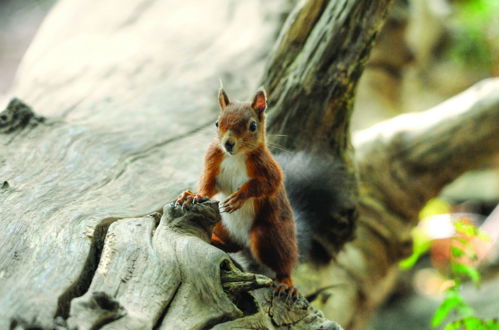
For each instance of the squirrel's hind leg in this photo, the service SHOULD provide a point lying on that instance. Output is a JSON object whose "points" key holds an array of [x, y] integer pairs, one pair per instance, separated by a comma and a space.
{"points": [[274, 245]]}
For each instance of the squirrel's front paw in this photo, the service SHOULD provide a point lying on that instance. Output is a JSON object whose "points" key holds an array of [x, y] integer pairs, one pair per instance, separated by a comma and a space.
{"points": [[233, 203], [188, 197], [185, 198]]}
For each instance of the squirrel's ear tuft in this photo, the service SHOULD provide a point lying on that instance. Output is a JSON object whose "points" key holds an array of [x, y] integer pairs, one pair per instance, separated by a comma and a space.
{"points": [[260, 101], [223, 99]]}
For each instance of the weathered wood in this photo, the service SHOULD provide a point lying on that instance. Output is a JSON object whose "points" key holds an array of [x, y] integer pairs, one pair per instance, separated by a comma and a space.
{"points": [[17, 116], [314, 68], [234, 281], [165, 275], [410, 158], [128, 90], [151, 268]]}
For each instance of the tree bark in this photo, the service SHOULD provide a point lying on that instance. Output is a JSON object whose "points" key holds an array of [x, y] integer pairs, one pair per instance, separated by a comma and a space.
{"points": [[124, 111], [314, 69]]}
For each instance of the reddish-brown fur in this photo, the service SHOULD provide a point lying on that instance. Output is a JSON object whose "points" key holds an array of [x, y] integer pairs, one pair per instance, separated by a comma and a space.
{"points": [[221, 239], [212, 161], [272, 237]]}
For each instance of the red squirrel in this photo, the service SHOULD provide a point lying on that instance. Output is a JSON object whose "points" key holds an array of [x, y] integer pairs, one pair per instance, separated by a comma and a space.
{"points": [[256, 213], [257, 216]]}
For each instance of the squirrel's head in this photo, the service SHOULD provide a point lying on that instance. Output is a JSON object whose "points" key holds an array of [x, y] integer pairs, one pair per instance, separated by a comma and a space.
{"points": [[241, 126]]}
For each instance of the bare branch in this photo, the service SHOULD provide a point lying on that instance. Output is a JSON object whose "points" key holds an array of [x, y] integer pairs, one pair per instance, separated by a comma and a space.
{"points": [[407, 160]]}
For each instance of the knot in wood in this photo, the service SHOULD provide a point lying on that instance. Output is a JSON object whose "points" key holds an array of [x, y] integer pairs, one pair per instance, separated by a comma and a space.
{"points": [[17, 116]]}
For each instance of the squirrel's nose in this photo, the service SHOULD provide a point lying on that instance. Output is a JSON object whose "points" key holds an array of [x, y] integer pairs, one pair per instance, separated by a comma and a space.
{"points": [[229, 146]]}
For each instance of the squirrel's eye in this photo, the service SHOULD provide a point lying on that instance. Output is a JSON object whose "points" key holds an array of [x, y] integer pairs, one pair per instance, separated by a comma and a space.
{"points": [[252, 126], [216, 123]]}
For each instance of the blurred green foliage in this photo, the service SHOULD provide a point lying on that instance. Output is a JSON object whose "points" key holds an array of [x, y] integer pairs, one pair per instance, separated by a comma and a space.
{"points": [[421, 241], [475, 38], [461, 269], [462, 252]]}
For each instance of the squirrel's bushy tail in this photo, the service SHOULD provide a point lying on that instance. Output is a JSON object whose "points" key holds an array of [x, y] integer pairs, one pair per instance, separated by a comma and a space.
{"points": [[320, 193]]}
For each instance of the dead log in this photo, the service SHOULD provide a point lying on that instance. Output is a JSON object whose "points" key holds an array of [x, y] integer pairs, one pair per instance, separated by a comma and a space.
{"points": [[129, 108]]}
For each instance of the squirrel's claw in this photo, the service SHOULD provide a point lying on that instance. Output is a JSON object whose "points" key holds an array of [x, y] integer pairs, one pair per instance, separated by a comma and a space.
{"points": [[199, 199], [185, 198], [187, 202], [285, 291], [233, 203]]}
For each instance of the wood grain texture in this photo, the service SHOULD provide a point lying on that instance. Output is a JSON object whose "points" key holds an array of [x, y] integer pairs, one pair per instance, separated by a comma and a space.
{"points": [[129, 93], [149, 267]]}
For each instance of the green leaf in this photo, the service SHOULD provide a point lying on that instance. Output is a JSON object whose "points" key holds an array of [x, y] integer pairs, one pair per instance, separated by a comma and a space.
{"points": [[440, 314], [465, 228], [464, 241], [473, 323], [492, 324], [461, 269], [421, 244], [418, 251], [451, 301], [456, 325], [457, 252], [468, 323], [410, 261]]}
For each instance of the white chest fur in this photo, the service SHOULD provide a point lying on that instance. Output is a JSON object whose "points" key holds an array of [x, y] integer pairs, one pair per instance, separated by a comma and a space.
{"points": [[233, 174]]}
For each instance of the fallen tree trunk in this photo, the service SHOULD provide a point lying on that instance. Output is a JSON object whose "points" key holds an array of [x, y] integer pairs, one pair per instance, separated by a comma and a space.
{"points": [[129, 111], [172, 278], [122, 136]]}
